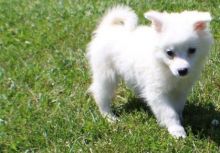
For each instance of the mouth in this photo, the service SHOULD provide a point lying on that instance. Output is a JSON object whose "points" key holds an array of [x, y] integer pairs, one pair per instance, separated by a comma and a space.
{"points": [[182, 76]]}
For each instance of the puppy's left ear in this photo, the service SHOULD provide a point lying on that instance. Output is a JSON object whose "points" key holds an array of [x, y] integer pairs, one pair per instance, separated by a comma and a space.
{"points": [[203, 22], [156, 19]]}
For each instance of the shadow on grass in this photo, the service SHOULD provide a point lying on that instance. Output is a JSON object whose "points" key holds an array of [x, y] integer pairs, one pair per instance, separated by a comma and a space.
{"points": [[133, 105], [197, 117], [200, 118]]}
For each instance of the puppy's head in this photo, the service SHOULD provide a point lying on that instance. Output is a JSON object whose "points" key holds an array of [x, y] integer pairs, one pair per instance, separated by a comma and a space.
{"points": [[183, 39]]}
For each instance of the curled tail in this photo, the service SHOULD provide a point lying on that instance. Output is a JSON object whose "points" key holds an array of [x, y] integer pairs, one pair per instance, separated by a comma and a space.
{"points": [[119, 16]]}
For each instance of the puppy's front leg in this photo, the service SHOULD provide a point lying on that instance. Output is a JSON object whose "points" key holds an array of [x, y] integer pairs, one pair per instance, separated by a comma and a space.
{"points": [[167, 116], [179, 106]]}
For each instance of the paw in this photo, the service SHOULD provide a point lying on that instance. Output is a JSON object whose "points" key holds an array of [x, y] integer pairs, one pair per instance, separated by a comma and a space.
{"points": [[177, 131], [110, 117]]}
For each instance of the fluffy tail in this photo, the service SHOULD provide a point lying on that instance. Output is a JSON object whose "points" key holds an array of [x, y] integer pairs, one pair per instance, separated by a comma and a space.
{"points": [[119, 16]]}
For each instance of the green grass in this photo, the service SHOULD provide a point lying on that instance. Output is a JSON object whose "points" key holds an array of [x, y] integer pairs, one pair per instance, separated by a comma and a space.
{"points": [[44, 76]]}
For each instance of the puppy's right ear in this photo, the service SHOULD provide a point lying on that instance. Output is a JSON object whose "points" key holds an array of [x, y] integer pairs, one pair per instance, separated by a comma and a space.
{"points": [[204, 18], [155, 18]]}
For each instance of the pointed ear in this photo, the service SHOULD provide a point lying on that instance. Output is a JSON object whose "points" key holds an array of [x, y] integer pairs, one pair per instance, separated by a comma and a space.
{"points": [[202, 23], [155, 18]]}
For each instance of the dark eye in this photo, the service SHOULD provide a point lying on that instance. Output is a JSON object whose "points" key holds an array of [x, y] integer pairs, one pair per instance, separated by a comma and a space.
{"points": [[170, 52], [191, 50]]}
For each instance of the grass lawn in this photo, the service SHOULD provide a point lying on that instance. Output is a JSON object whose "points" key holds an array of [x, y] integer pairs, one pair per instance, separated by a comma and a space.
{"points": [[44, 76]]}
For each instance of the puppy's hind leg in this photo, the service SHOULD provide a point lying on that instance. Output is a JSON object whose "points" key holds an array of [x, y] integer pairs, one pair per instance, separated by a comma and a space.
{"points": [[102, 88]]}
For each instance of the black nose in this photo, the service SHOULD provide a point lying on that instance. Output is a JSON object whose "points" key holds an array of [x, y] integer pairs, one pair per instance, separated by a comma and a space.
{"points": [[183, 72]]}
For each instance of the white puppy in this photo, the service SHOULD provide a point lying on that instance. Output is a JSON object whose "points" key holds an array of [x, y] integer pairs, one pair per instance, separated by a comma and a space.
{"points": [[160, 62]]}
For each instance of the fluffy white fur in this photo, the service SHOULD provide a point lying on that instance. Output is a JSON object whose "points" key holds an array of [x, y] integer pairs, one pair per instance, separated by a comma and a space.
{"points": [[138, 54]]}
